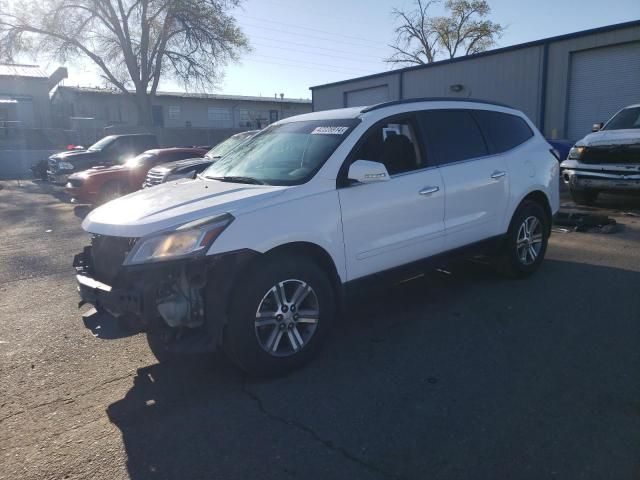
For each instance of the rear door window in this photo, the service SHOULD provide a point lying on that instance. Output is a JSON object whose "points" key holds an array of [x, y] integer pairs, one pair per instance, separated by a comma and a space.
{"points": [[452, 135], [503, 131]]}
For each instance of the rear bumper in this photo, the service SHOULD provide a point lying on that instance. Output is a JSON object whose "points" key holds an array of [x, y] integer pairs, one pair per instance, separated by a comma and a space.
{"points": [[594, 180]]}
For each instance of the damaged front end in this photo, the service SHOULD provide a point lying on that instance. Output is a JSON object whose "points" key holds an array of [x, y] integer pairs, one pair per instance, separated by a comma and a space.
{"points": [[183, 299]]}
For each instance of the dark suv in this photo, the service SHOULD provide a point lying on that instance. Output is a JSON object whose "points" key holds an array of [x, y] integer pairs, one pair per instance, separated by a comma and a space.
{"points": [[110, 150]]}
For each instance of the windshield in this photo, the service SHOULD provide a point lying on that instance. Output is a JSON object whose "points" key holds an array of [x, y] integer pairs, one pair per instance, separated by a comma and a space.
{"points": [[287, 154], [139, 160], [101, 144], [624, 119], [225, 147]]}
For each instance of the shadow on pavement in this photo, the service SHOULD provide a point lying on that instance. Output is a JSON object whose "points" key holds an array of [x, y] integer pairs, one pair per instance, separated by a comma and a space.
{"points": [[459, 374], [104, 326], [82, 211]]}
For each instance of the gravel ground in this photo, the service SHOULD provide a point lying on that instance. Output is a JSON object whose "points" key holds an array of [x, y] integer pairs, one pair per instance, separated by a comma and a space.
{"points": [[458, 374]]}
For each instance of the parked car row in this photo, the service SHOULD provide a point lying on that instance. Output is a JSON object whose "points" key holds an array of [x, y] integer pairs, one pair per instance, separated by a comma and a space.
{"points": [[120, 164]]}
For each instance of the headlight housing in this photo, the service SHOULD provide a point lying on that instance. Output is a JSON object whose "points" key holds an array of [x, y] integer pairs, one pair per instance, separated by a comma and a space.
{"points": [[192, 239], [65, 166], [575, 153]]}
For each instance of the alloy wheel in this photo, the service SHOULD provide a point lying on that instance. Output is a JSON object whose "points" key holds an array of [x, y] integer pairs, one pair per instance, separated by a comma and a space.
{"points": [[287, 318], [529, 240]]}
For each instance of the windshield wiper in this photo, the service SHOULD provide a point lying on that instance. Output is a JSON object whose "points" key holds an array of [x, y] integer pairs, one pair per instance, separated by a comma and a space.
{"points": [[235, 179]]}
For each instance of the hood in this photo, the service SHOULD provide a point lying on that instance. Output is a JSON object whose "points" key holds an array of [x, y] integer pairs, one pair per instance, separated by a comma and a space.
{"points": [[72, 155], [172, 204], [189, 162], [611, 137]]}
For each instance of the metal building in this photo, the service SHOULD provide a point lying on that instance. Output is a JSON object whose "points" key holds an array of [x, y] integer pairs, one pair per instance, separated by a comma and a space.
{"points": [[564, 84]]}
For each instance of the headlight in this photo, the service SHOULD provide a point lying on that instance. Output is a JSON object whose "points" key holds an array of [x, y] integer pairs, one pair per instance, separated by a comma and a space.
{"points": [[189, 240], [65, 166], [575, 153]]}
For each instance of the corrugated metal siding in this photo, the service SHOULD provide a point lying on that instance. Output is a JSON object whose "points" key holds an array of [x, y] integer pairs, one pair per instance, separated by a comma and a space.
{"points": [[333, 96], [602, 81], [558, 72], [367, 96], [511, 77]]}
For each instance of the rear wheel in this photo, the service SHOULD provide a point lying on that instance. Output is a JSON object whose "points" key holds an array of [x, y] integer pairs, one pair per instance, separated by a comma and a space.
{"points": [[280, 315], [526, 242], [584, 197]]}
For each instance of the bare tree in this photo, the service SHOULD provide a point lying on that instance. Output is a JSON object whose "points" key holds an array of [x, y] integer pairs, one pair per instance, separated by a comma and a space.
{"points": [[134, 43], [420, 37]]}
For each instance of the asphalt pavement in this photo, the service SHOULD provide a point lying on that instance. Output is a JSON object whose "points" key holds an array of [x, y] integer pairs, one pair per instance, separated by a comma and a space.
{"points": [[459, 374]]}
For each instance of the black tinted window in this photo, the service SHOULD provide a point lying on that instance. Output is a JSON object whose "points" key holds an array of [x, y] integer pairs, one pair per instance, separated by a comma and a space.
{"points": [[503, 131], [452, 135], [393, 143]]}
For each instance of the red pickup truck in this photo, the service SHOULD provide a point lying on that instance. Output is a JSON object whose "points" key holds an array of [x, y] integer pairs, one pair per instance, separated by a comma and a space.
{"points": [[101, 184]]}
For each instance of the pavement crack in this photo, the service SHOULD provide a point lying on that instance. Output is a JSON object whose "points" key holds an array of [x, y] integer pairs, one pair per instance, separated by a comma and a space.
{"points": [[301, 426], [20, 412]]}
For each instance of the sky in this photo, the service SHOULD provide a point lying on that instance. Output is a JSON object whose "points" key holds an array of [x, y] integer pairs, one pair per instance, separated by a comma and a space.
{"points": [[301, 43]]}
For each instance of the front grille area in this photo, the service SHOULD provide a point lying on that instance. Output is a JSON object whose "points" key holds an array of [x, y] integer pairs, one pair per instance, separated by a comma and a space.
{"points": [[154, 177], [612, 154], [108, 254]]}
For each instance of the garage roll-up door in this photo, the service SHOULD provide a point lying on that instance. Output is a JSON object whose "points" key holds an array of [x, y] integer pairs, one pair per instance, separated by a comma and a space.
{"points": [[602, 81], [367, 96]]}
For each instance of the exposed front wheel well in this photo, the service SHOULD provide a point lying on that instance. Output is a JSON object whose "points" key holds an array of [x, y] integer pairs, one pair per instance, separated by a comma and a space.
{"points": [[541, 199], [317, 254]]}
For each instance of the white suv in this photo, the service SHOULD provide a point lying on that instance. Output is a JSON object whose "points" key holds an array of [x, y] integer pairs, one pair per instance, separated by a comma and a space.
{"points": [[254, 255]]}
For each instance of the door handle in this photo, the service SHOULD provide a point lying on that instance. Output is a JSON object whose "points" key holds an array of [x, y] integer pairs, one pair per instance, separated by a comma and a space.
{"points": [[498, 174], [429, 190]]}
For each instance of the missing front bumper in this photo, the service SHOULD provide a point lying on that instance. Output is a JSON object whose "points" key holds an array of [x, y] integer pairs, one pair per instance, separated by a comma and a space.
{"points": [[137, 291]]}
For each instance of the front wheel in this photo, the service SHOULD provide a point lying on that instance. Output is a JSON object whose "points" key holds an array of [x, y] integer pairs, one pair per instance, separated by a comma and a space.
{"points": [[526, 242], [280, 314]]}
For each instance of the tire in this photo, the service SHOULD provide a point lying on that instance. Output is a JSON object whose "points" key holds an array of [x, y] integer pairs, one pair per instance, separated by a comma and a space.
{"points": [[584, 197], [516, 259], [284, 340], [111, 191]]}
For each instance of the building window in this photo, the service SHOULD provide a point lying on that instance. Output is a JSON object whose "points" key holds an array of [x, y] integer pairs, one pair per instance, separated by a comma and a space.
{"points": [[174, 113], [244, 117], [219, 116]]}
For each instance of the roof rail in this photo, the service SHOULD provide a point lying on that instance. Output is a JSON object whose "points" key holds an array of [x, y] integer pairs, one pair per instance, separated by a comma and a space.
{"points": [[431, 99]]}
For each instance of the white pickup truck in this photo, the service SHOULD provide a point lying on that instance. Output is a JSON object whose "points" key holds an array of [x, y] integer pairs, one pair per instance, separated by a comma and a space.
{"points": [[607, 160]]}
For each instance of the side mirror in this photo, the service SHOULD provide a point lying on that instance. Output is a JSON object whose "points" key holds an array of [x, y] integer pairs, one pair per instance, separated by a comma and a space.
{"points": [[365, 171], [597, 127]]}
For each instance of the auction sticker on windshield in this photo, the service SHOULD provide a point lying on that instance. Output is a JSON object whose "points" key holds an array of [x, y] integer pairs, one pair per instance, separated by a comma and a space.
{"points": [[329, 130]]}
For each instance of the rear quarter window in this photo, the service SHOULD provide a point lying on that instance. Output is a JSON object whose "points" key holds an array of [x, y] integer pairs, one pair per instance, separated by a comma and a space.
{"points": [[503, 131]]}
